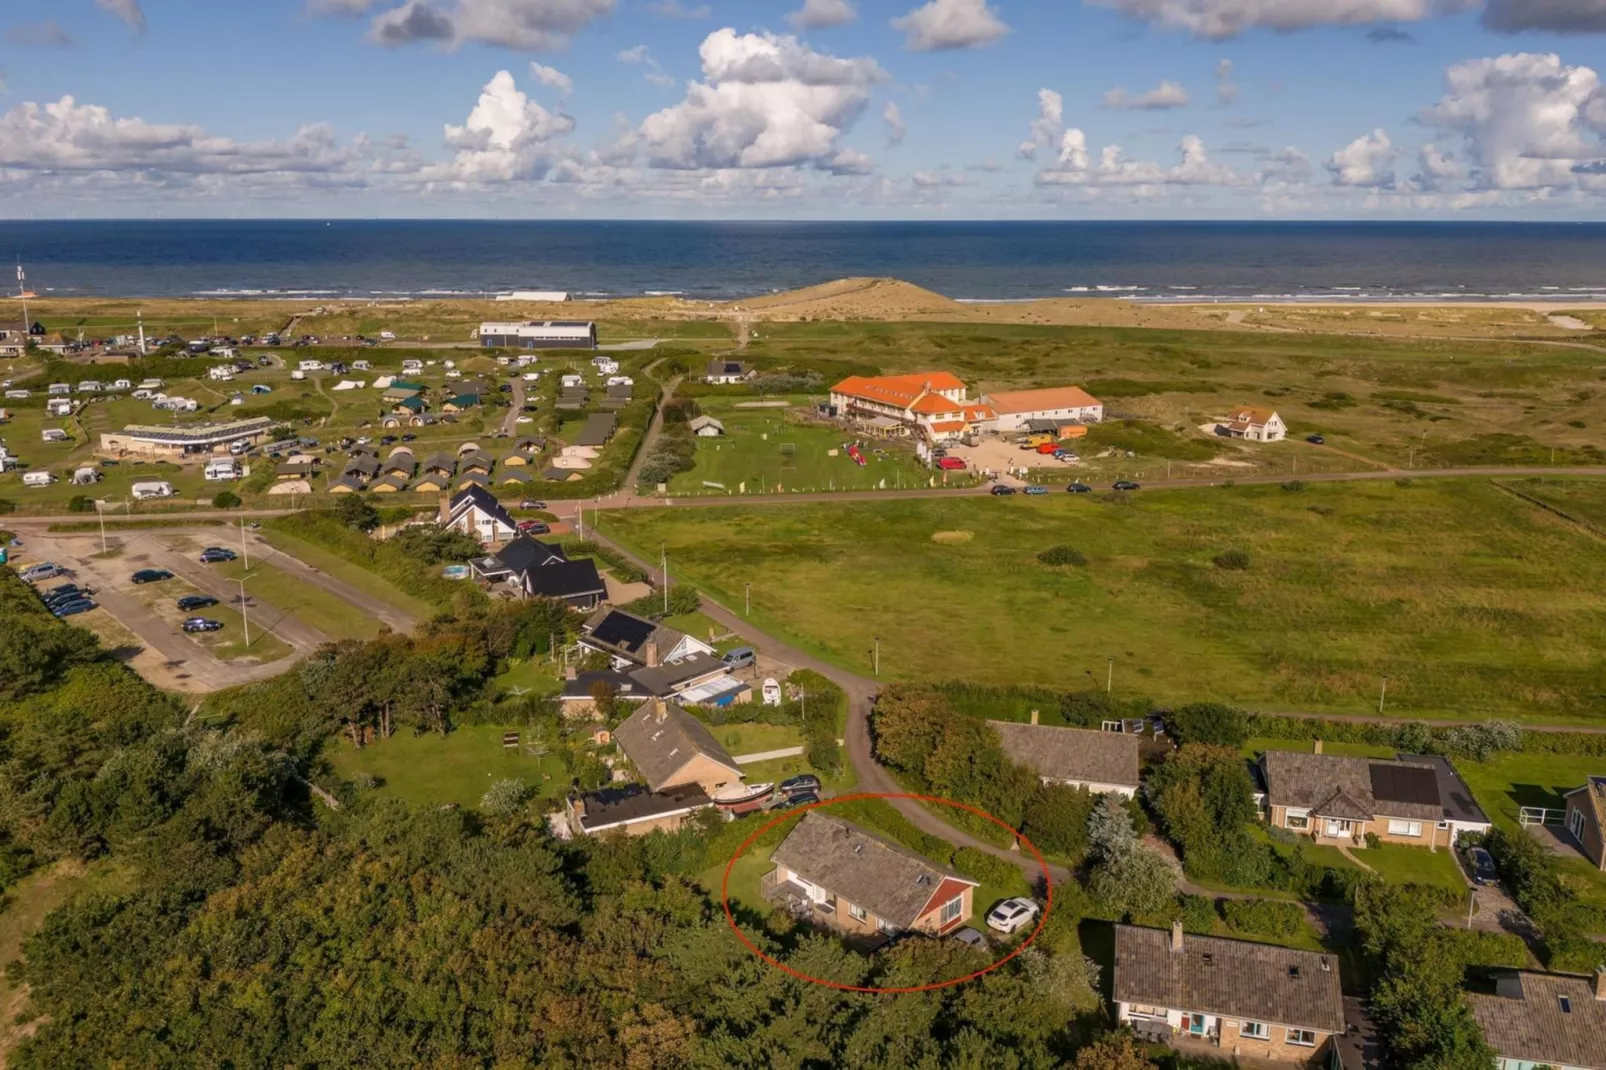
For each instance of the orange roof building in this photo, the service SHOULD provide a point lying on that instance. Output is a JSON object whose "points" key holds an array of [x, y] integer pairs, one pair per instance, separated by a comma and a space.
{"points": [[930, 403], [1256, 425]]}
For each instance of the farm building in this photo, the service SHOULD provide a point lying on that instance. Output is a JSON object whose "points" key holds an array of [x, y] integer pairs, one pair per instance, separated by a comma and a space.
{"points": [[536, 334], [1064, 406], [180, 441]]}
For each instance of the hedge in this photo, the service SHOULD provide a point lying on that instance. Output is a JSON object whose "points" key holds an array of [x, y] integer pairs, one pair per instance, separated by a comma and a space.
{"points": [[1264, 917]]}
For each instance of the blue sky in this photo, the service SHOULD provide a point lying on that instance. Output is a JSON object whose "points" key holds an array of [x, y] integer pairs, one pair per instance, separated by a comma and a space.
{"points": [[840, 109]]}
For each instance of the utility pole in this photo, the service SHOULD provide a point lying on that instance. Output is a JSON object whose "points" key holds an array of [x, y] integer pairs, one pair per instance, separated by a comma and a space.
{"points": [[663, 572], [245, 556], [878, 655], [245, 617], [1109, 675], [1382, 694], [747, 609], [100, 513]]}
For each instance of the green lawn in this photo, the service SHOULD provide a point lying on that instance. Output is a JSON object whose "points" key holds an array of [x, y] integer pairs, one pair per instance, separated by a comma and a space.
{"points": [[1399, 863], [369, 583], [1508, 782], [755, 738], [431, 770], [527, 675], [772, 449], [227, 645], [308, 603], [1464, 596], [1259, 744]]}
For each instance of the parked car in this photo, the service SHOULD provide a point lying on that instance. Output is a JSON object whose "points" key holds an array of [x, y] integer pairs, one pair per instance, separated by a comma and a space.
{"points": [[951, 464], [531, 503], [1010, 915], [798, 784], [807, 798], [191, 602], [534, 527], [202, 624], [1316, 440], [741, 657], [1079, 488], [1034, 489], [999, 488], [72, 609], [65, 593], [969, 937], [1124, 484], [151, 575], [213, 555], [45, 570], [408, 438], [1481, 863]]}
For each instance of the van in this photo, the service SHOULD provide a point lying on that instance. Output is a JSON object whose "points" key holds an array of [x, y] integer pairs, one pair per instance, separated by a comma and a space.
{"points": [[740, 657], [154, 489]]}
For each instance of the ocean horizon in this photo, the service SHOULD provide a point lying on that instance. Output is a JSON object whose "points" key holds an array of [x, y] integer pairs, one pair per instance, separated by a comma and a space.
{"points": [[384, 259]]}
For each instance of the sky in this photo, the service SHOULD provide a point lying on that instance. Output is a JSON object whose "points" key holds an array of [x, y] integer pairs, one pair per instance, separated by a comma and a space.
{"points": [[804, 109]]}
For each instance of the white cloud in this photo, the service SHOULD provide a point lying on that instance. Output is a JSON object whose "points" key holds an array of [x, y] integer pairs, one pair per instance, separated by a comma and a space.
{"points": [[47, 34], [533, 25], [1217, 19], [894, 120], [507, 137], [1527, 119], [822, 14], [1162, 97], [636, 54], [1440, 170], [1226, 88], [1076, 168], [341, 7], [766, 101], [943, 24], [66, 137], [1047, 126], [850, 162], [674, 9], [127, 10], [1553, 16], [553, 77], [1288, 166], [936, 180], [1367, 161]]}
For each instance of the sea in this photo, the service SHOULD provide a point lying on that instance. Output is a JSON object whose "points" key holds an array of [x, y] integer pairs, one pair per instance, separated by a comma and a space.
{"points": [[969, 261]]}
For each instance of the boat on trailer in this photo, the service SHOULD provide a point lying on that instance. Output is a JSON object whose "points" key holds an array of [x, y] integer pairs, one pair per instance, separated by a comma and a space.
{"points": [[742, 798]]}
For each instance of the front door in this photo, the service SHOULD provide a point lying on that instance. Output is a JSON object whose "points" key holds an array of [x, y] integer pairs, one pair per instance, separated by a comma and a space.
{"points": [[1196, 1024], [1337, 828], [1575, 824]]}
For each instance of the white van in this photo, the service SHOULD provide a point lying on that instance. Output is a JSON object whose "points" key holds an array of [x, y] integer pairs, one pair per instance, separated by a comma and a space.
{"points": [[37, 479], [153, 489], [311, 366]]}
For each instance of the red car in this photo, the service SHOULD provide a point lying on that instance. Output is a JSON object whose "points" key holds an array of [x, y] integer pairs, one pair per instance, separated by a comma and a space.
{"points": [[951, 464], [533, 527]]}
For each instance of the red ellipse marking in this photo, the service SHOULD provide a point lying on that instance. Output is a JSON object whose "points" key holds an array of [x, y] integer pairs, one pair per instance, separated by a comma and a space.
{"points": [[730, 917]]}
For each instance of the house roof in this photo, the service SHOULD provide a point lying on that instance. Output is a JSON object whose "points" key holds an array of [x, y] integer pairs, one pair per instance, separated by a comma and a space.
{"points": [[1459, 805], [477, 497], [412, 404], [393, 480], [660, 738], [705, 421], [363, 465], [614, 806], [718, 366], [346, 482], [1527, 1021], [1250, 415], [899, 390], [565, 579], [597, 430], [945, 427], [1595, 795], [1071, 753], [476, 459], [1354, 789], [579, 689], [664, 678], [885, 878], [440, 461], [526, 553], [462, 401], [1053, 397], [628, 635], [1232, 978]]}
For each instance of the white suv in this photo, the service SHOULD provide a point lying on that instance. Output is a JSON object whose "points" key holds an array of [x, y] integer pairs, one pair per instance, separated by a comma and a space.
{"points": [[1012, 914]]}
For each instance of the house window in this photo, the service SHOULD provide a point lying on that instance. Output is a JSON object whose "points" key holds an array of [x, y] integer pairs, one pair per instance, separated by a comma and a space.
{"points": [[952, 909], [1305, 1038], [856, 912], [1405, 828], [1297, 821], [885, 926], [1255, 1031]]}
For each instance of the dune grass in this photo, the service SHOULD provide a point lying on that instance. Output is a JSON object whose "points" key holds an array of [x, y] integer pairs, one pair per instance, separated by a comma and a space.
{"points": [[1465, 597]]}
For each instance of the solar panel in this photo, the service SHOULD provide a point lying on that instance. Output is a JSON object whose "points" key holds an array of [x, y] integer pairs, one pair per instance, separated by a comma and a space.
{"points": [[1404, 783]]}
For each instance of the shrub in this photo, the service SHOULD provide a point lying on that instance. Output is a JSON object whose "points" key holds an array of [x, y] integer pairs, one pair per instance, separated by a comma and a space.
{"points": [[1479, 741], [1198, 914], [81, 503], [505, 796], [1232, 560], [7, 505], [1062, 555], [1264, 917], [1294, 485], [226, 499], [1208, 722]]}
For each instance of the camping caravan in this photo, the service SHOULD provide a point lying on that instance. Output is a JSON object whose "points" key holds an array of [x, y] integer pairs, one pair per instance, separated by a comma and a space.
{"points": [[221, 468], [37, 479], [152, 489], [85, 476]]}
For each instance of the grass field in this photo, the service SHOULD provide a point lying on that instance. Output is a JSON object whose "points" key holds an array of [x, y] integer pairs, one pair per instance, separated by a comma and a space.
{"points": [[773, 449], [308, 603], [432, 770], [1466, 598], [366, 581], [1399, 863]]}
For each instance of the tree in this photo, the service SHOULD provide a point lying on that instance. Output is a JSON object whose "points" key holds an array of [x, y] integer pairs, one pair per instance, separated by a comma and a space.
{"points": [[1209, 722], [1113, 1051], [355, 511], [226, 499], [1109, 829], [1205, 801], [433, 544], [506, 796], [1136, 882], [1056, 819], [1070, 979], [605, 697]]}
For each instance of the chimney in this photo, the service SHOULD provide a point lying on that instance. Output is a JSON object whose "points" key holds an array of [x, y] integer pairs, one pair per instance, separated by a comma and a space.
{"points": [[446, 508], [1034, 717], [652, 655], [659, 710], [1316, 747], [1176, 935], [1600, 983]]}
